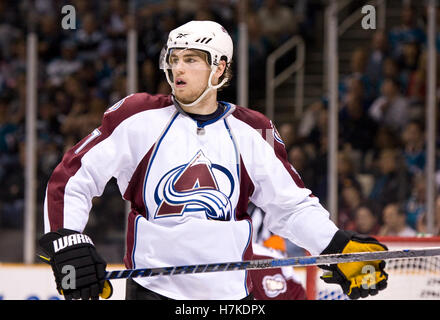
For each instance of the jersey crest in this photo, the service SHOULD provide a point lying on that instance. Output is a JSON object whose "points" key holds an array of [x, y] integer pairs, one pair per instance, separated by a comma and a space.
{"points": [[195, 187], [274, 285]]}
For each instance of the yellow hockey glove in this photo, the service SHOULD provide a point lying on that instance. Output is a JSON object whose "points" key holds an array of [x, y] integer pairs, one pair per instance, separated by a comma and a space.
{"points": [[357, 279]]}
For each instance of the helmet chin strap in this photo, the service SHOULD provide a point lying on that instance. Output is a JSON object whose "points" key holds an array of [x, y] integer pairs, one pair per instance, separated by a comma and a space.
{"points": [[204, 93]]}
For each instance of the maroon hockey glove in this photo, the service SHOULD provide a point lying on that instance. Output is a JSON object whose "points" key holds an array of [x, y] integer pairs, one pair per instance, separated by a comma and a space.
{"points": [[78, 269]]}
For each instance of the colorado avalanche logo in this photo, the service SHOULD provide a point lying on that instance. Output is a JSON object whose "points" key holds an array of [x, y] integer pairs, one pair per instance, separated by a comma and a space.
{"points": [[194, 187]]}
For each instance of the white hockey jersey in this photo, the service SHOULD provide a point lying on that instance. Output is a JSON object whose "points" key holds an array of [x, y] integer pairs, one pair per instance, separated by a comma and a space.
{"points": [[189, 186]]}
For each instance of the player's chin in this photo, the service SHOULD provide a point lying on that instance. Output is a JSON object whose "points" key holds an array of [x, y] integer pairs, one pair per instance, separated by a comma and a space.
{"points": [[184, 98]]}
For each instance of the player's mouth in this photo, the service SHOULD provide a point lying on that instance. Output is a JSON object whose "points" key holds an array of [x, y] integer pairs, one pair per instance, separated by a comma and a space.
{"points": [[179, 83]]}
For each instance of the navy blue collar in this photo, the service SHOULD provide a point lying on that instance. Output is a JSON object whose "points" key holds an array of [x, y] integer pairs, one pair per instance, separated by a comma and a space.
{"points": [[205, 119], [202, 118]]}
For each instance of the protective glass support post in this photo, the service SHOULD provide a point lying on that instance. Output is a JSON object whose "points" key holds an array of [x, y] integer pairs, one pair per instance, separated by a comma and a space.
{"points": [[243, 56], [332, 85], [431, 115], [132, 68], [29, 233]]}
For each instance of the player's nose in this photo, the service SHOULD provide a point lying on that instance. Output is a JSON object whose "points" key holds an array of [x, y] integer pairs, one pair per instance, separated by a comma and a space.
{"points": [[179, 67]]}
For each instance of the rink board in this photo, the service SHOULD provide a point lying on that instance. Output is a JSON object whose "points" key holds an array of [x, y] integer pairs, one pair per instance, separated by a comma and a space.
{"points": [[22, 282]]}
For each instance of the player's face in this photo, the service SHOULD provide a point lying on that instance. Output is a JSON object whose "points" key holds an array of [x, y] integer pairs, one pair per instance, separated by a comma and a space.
{"points": [[190, 73]]}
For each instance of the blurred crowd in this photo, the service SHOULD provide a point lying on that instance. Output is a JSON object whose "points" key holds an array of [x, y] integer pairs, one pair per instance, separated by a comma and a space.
{"points": [[81, 72], [382, 148]]}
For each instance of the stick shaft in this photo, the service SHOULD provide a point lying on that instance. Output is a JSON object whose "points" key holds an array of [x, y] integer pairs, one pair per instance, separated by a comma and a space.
{"points": [[275, 263]]}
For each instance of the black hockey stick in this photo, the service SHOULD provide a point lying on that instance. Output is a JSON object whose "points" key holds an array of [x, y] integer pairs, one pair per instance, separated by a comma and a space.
{"points": [[275, 263]]}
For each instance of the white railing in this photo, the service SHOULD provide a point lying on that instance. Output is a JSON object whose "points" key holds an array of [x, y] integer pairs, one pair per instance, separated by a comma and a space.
{"points": [[273, 81]]}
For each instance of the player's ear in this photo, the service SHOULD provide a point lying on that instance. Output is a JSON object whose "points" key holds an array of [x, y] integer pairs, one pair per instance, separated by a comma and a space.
{"points": [[221, 68]]}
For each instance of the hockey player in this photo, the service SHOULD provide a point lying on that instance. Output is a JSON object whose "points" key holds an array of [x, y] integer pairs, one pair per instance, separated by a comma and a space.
{"points": [[189, 164], [275, 283]]}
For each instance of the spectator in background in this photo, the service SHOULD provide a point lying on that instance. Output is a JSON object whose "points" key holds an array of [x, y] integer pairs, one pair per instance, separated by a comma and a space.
{"points": [[346, 171], [8, 129], [12, 195], [258, 51], [278, 22], [366, 220], [119, 88], [391, 108], [75, 89], [407, 31], [89, 38], [316, 146], [116, 20], [408, 63], [313, 128], [82, 8], [154, 31], [9, 137], [148, 76], [204, 11], [17, 64], [300, 161], [394, 222], [356, 87], [310, 119], [59, 68], [376, 58], [422, 226], [349, 201], [84, 118], [391, 179], [62, 100], [48, 124], [415, 206], [9, 28], [414, 154], [225, 12], [87, 76], [49, 38], [349, 188], [385, 138], [356, 127], [288, 134], [358, 64], [390, 69], [72, 123], [416, 89]]}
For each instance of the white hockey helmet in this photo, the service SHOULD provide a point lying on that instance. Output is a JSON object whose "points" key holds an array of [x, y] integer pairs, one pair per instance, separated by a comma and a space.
{"points": [[207, 36]]}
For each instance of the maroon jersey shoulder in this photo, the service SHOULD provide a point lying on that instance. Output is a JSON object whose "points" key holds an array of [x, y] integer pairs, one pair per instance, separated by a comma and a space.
{"points": [[131, 105], [253, 118]]}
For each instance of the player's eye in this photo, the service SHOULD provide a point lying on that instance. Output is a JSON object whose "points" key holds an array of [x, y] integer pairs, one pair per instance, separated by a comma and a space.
{"points": [[190, 60], [174, 60]]}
